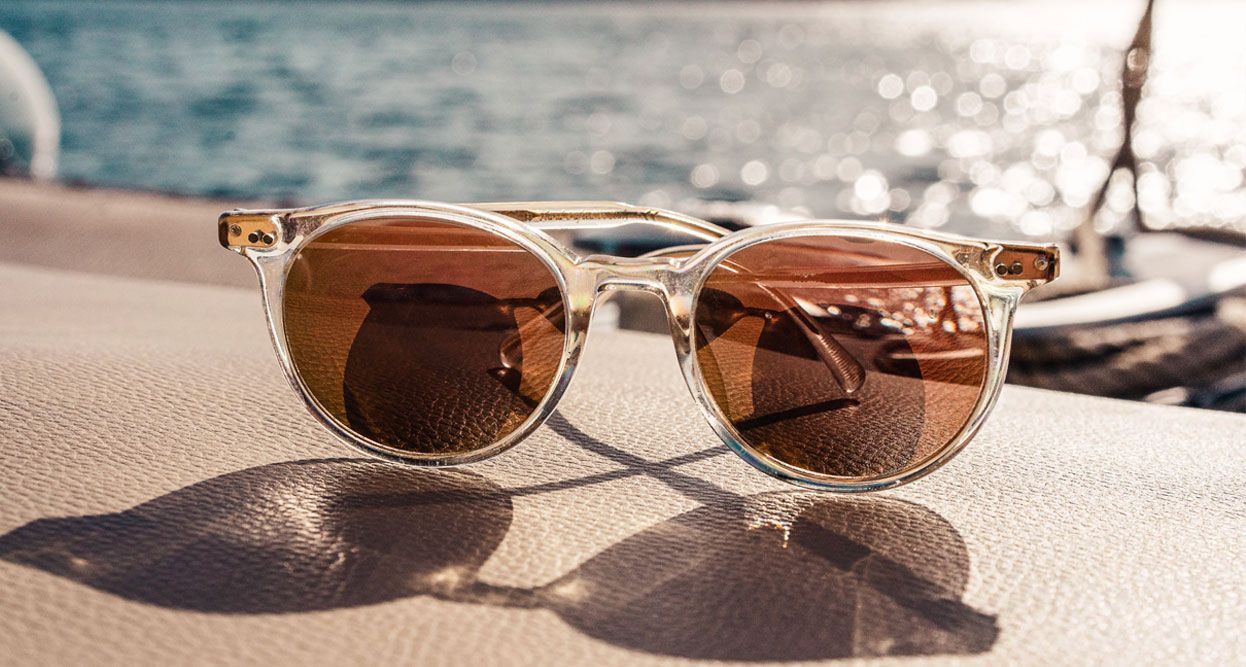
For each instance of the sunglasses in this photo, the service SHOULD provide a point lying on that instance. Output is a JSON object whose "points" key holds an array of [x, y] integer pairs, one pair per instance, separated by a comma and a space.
{"points": [[847, 356]]}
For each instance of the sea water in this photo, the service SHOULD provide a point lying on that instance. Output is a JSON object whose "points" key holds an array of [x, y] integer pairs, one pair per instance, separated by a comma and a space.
{"points": [[982, 117]]}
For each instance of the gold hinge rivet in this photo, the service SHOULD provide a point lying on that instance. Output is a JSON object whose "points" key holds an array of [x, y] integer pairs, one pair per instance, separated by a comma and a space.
{"points": [[235, 230], [1041, 263]]}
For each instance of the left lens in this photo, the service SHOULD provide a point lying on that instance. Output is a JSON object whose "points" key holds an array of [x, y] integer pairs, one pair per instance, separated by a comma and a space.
{"points": [[841, 356], [425, 336]]}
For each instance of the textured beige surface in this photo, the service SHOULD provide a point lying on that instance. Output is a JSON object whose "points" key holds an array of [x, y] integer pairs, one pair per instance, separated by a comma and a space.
{"points": [[165, 499], [138, 234]]}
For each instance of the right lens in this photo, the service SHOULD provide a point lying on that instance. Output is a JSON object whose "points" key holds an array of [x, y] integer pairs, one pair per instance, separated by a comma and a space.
{"points": [[842, 356], [425, 336]]}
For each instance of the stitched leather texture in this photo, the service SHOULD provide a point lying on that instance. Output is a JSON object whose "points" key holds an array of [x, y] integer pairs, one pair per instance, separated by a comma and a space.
{"points": [[166, 499]]}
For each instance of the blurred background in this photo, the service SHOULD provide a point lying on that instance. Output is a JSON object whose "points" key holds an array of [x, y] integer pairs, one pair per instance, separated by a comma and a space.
{"points": [[1117, 127]]}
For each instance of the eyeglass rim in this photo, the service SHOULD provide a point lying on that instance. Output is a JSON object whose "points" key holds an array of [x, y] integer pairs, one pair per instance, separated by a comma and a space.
{"points": [[988, 390]]}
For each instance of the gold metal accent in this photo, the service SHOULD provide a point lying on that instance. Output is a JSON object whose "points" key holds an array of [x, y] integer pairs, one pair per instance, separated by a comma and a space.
{"points": [[1027, 263], [248, 230]]}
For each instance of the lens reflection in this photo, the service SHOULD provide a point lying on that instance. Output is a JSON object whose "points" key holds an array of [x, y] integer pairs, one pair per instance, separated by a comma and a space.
{"points": [[425, 336], [909, 322]]}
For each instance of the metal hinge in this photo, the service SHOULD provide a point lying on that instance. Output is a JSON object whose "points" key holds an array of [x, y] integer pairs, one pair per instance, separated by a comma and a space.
{"points": [[1031, 264], [248, 230]]}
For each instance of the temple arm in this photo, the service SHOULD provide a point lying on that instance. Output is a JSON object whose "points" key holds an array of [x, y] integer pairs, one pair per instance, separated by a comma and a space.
{"points": [[848, 372], [600, 215]]}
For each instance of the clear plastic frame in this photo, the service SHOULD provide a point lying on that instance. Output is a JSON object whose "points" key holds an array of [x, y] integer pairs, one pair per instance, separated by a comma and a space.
{"points": [[999, 274]]}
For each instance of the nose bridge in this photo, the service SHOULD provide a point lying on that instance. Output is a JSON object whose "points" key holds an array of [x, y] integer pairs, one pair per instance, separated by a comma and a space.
{"points": [[659, 276], [645, 274]]}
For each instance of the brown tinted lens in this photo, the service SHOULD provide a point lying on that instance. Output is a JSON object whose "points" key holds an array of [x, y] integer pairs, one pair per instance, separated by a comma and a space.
{"points": [[784, 330], [422, 335]]}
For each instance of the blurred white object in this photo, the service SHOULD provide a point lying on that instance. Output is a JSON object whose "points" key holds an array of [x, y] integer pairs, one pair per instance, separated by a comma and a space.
{"points": [[30, 123], [1174, 275], [1118, 303]]}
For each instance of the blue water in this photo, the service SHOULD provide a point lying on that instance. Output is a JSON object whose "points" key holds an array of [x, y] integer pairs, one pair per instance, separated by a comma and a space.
{"points": [[977, 116]]}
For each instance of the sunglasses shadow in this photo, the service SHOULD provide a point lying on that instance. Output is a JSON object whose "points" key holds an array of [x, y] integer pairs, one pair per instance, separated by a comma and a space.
{"points": [[775, 576]]}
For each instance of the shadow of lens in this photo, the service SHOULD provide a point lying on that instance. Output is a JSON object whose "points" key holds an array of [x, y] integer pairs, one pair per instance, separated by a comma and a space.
{"points": [[828, 578], [287, 537], [779, 576]]}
